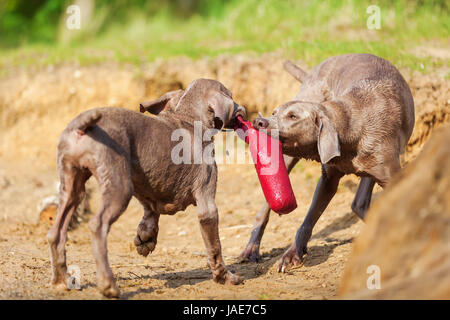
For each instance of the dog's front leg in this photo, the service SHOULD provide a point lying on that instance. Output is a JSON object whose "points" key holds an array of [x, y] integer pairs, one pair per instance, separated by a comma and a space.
{"points": [[325, 191], [209, 225], [147, 232]]}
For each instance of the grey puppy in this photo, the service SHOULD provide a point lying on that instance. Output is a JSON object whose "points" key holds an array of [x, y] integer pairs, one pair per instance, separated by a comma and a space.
{"points": [[354, 114], [129, 154]]}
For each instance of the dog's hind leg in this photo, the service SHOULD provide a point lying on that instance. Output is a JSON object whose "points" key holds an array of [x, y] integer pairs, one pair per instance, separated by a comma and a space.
{"points": [[117, 190], [70, 195], [363, 196], [389, 166]]}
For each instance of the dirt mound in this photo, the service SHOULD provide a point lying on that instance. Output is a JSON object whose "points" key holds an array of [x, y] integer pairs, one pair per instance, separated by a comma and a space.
{"points": [[432, 103], [259, 83], [35, 106], [408, 232]]}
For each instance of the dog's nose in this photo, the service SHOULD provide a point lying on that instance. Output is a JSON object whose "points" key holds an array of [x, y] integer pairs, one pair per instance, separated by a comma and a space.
{"points": [[240, 111], [260, 123]]}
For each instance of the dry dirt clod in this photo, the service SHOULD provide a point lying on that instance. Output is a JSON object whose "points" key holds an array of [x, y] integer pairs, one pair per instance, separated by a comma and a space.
{"points": [[407, 234]]}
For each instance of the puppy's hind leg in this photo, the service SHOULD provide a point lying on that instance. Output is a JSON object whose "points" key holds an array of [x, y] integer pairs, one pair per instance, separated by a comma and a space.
{"points": [[380, 173], [70, 195], [388, 167], [117, 191], [363, 196]]}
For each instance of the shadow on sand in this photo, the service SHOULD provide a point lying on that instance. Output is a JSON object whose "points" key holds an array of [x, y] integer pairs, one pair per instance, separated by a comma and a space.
{"points": [[316, 255]]}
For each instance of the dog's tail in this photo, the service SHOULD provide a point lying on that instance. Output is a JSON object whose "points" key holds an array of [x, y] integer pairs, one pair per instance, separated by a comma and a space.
{"points": [[295, 70], [84, 121]]}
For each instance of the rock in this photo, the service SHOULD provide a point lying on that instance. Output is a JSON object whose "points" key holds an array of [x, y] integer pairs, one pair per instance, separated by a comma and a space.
{"points": [[48, 208], [4, 182], [408, 232]]}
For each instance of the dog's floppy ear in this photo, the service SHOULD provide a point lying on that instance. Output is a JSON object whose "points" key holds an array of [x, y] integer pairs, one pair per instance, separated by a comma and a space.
{"points": [[328, 140], [165, 102], [222, 109], [209, 101]]}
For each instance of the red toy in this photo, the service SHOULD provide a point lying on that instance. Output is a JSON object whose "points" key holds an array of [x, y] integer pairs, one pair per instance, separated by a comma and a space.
{"points": [[268, 158]]}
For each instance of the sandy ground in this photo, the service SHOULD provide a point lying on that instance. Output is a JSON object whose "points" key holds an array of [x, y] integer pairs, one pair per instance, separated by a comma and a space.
{"points": [[177, 269], [34, 108]]}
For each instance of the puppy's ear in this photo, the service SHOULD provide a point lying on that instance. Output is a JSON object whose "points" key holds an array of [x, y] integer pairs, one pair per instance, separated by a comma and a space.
{"points": [[328, 140], [165, 102], [222, 109]]}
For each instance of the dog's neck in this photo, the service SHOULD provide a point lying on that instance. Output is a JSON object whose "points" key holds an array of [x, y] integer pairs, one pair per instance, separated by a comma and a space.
{"points": [[308, 152], [187, 120]]}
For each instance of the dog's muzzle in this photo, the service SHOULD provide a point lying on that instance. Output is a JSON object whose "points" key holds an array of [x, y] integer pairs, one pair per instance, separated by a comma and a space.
{"points": [[238, 111]]}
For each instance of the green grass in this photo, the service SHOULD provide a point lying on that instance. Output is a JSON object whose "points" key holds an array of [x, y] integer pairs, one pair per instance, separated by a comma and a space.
{"points": [[310, 30]]}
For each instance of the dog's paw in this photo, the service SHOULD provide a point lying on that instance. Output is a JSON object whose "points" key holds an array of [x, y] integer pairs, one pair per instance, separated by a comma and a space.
{"points": [[61, 281], [233, 278], [229, 278], [250, 254], [144, 247], [60, 286], [146, 239], [291, 258], [109, 289]]}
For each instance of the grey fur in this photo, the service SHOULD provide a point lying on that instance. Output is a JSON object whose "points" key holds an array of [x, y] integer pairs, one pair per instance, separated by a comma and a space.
{"points": [[354, 113], [129, 154]]}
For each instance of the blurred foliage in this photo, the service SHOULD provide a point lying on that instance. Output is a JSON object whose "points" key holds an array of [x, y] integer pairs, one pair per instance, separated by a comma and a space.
{"points": [[142, 30], [24, 21]]}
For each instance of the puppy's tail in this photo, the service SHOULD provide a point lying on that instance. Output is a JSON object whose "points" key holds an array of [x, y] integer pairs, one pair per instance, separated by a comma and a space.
{"points": [[84, 121], [295, 70]]}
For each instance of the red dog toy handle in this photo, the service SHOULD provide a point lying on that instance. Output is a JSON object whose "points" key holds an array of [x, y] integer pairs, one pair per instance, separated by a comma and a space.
{"points": [[268, 158]]}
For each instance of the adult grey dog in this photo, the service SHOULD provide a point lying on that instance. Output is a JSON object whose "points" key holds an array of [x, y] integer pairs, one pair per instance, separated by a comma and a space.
{"points": [[129, 153], [354, 114]]}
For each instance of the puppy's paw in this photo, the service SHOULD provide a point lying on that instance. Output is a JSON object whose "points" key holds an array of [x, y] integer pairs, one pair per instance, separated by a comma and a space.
{"points": [[61, 282], [291, 258], [250, 254], [109, 290], [233, 278], [146, 239], [60, 286], [229, 278], [144, 247]]}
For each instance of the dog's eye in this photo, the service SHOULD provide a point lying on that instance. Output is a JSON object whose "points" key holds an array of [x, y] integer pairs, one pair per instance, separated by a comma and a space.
{"points": [[292, 116]]}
